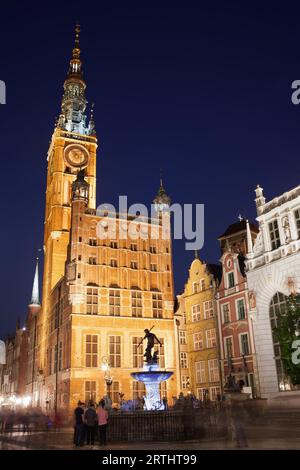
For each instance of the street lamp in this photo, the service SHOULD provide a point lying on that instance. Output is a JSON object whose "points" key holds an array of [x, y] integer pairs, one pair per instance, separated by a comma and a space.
{"points": [[107, 377]]}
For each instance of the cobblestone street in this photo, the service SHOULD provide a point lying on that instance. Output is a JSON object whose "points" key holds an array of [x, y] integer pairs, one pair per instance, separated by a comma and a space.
{"points": [[268, 438]]}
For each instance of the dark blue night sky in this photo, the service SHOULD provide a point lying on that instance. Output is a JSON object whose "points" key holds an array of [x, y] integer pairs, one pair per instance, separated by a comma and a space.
{"points": [[203, 92]]}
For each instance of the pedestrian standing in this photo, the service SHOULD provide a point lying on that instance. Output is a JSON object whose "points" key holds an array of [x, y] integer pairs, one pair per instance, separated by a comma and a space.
{"points": [[78, 426], [102, 422], [90, 418]]}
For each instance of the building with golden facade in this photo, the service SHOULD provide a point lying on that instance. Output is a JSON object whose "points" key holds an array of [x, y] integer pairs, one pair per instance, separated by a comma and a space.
{"points": [[200, 343], [99, 292]]}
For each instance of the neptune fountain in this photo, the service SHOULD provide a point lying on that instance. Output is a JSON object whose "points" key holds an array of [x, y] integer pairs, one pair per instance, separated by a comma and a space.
{"points": [[151, 375]]}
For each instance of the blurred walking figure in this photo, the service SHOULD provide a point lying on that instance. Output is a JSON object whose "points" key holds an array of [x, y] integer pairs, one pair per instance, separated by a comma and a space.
{"points": [[78, 428], [90, 418], [102, 422], [238, 416]]}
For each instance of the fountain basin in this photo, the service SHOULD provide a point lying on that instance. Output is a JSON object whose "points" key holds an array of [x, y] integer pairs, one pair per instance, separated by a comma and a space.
{"points": [[151, 376]]}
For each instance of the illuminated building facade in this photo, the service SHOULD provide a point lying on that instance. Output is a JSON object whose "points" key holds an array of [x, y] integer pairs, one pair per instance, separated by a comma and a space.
{"points": [[99, 293]]}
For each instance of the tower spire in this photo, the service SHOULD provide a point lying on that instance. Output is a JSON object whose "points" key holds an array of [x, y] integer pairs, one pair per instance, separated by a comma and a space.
{"points": [[35, 297], [73, 105], [162, 201]]}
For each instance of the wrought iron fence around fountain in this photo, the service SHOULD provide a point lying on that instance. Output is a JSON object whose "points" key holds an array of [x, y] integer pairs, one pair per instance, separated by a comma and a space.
{"points": [[165, 425]]}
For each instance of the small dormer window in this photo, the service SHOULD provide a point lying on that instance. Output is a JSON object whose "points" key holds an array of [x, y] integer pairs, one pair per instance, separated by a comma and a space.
{"points": [[230, 280]]}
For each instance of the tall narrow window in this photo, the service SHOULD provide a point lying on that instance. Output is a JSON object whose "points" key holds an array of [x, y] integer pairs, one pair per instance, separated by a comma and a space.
{"points": [[213, 370], [137, 352], [297, 220], [200, 372], [113, 263], [228, 346], [196, 314], [157, 305], [136, 304], [114, 302], [183, 360], [208, 309], [90, 391], [226, 313], [274, 234], [211, 341], [114, 245], [115, 351], [133, 247], [92, 260], [230, 280], [153, 267], [92, 301], [182, 337], [202, 284], [152, 249], [244, 344], [91, 351], [196, 287], [93, 242], [240, 309], [198, 341]]}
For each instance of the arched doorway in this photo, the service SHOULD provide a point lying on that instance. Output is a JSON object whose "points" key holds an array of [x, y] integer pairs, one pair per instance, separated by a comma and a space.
{"points": [[278, 306]]}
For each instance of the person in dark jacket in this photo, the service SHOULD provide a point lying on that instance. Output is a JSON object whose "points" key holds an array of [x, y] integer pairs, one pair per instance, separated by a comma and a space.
{"points": [[90, 418], [78, 426]]}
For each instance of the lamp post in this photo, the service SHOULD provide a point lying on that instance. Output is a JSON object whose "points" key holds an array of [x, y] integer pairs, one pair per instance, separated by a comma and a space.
{"points": [[107, 377]]}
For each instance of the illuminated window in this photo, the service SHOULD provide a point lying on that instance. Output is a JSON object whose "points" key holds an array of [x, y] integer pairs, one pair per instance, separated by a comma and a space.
{"points": [[137, 352], [297, 219], [196, 314], [182, 337], [214, 393], [198, 341], [91, 351], [200, 372], [114, 302], [211, 338], [213, 370], [157, 305], [208, 309], [92, 301], [90, 391], [185, 380], [115, 351], [136, 304], [274, 234], [183, 360]]}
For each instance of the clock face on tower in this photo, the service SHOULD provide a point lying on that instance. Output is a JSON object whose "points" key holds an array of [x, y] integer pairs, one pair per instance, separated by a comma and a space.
{"points": [[76, 156]]}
